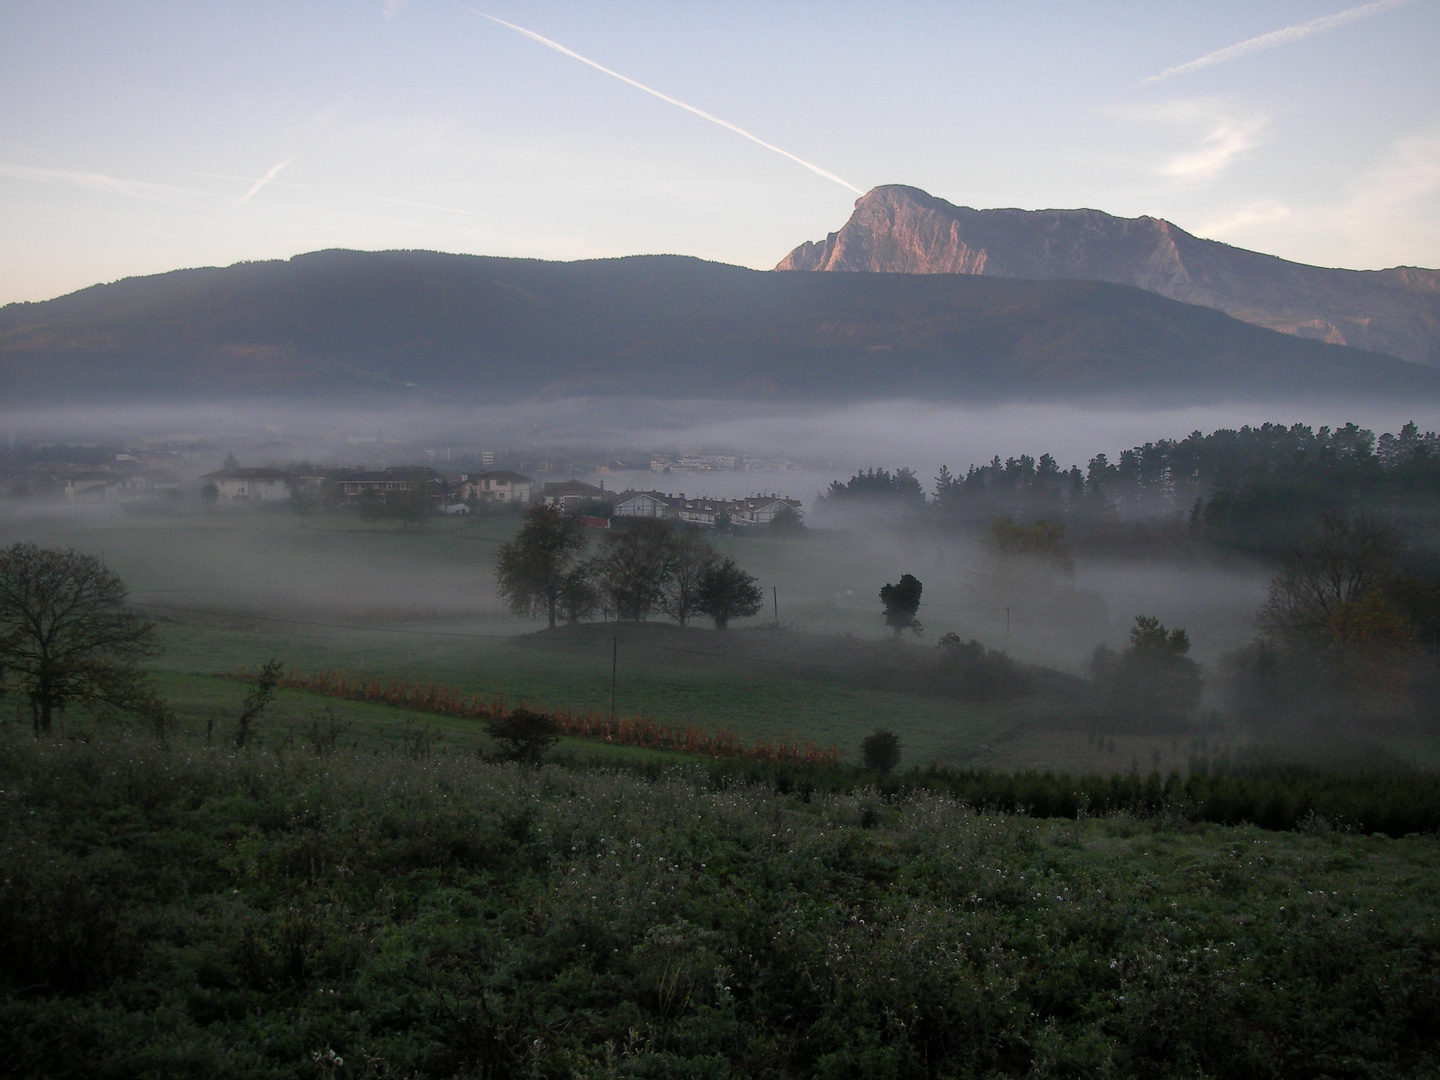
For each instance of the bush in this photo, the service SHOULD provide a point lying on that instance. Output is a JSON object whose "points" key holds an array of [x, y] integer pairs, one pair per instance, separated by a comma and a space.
{"points": [[524, 735], [880, 750]]}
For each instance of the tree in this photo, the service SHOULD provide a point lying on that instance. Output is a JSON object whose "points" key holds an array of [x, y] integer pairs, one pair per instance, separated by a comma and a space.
{"points": [[1043, 541], [691, 558], [579, 595], [303, 503], [408, 507], [880, 750], [1329, 601], [787, 522], [902, 602], [1153, 684], [68, 637], [635, 568], [727, 592], [532, 569]]}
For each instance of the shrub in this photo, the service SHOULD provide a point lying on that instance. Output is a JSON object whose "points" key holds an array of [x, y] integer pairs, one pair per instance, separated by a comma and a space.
{"points": [[525, 735], [880, 750]]}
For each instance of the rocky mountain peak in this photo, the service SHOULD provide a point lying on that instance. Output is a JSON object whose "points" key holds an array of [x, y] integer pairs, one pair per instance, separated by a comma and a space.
{"points": [[903, 230]]}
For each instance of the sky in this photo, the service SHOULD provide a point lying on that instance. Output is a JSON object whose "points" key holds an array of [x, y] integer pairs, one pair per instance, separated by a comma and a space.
{"points": [[140, 137]]}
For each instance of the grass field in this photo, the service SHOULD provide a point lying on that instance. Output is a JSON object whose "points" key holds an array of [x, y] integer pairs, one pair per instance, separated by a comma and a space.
{"points": [[235, 589]]}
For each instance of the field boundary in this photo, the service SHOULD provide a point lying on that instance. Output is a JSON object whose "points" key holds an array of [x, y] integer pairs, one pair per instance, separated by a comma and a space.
{"points": [[639, 731]]}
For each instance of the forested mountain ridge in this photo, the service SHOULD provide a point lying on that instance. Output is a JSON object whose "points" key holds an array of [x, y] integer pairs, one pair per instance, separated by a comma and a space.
{"points": [[337, 325], [898, 229]]}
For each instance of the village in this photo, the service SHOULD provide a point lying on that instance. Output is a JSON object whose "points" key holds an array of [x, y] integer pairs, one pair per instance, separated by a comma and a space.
{"points": [[139, 478]]}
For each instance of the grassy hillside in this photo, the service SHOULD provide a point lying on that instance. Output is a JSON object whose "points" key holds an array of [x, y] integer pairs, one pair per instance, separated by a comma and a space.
{"points": [[338, 325]]}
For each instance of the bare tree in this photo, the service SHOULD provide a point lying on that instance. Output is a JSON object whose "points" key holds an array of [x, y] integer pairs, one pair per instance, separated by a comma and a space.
{"points": [[532, 570], [691, 558], [1332, 604], [1342, 563], [68, 637]]}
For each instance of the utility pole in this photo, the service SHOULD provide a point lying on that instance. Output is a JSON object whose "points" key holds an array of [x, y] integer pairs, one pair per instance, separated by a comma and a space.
{"points": [[614, 667], [775, 589]]}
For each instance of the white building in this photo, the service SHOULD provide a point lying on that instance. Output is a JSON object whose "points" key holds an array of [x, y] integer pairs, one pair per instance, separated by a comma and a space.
{"points": [[645, 504], [252, 485], [499, 485]]}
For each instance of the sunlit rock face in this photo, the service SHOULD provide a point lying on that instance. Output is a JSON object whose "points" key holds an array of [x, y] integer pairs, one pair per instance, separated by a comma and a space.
{"points": [[903, 230]]}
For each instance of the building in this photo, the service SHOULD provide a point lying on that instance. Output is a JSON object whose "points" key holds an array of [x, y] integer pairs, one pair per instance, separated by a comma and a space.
{"points": [[701, 511], [761, 509], [88, 486], [567, 494], [144, 487], [251, 485], [499, 485], [354, 486], [645, 504]]}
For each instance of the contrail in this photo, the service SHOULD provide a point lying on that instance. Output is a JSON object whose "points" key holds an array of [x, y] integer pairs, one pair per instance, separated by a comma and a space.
{"points": [[331, 191], [1280, 37], [274, 172], [665, 97]]}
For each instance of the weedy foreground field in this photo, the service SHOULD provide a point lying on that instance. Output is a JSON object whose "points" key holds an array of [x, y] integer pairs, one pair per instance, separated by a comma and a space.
{"points": [[321, 908]]}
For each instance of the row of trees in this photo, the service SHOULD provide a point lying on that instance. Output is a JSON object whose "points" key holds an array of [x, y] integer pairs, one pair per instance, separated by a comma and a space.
{"points": [[1251, 487], [646, 568]]}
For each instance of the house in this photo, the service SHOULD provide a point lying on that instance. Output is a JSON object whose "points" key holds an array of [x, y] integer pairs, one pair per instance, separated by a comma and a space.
{"points": [[701, 511], [355, 486], [645, 504], [88, 486], [499, 485], [252, 485], [144, 487], [568, 493], [761, 509]]}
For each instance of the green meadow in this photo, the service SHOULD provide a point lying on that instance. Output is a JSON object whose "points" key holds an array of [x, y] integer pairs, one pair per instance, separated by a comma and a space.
{"points": [[417, 604]]}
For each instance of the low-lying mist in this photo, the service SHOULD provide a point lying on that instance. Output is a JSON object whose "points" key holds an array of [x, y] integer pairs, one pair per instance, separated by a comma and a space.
{"points": [[823, 444], [343, 569]]}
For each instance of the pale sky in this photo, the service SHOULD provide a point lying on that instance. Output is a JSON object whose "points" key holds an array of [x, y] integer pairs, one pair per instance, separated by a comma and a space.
{"points": [[139, 137]]}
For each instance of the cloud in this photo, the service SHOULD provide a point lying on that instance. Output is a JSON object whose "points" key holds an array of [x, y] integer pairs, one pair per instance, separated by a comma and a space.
{"points": [[87, 181], [1229, 138], [555, 45], [393, 8], [1225, 132], [1276, 38], [1252, 213], [274, 172]]}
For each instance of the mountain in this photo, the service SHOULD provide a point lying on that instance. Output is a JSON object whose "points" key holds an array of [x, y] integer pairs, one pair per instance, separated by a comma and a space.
{"points": [[903, 230], [345, 325]]}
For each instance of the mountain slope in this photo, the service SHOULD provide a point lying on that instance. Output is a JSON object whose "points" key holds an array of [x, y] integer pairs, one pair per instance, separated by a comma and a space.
{"points": [[337, 325], [898, 229]]}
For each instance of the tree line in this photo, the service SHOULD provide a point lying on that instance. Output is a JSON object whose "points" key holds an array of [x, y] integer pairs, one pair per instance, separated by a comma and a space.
{"points": [[647, 567], [1249, 487]]}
